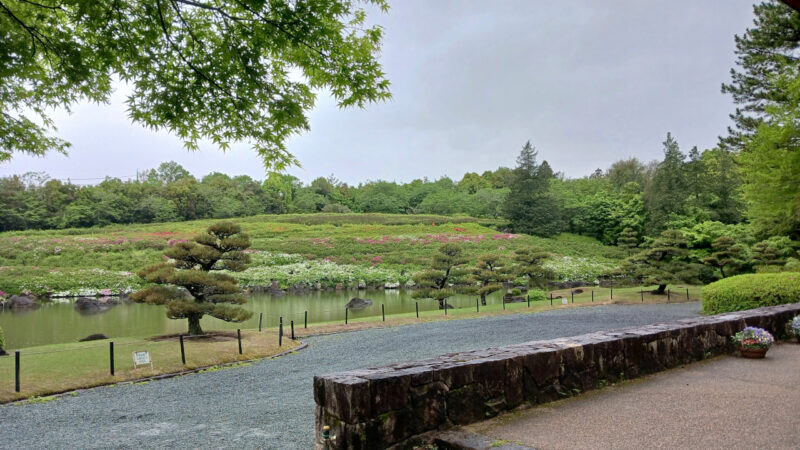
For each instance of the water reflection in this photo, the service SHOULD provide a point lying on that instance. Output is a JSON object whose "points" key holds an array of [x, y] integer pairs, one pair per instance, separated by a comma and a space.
{"points": [[61, 322]]}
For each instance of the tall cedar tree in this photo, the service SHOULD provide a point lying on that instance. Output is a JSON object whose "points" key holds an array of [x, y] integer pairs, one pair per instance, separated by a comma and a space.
{"points": [[222, 70], [726, 253], [489, 273], [445, 278], [530, 264], [190, 286], [722, 183], [666, 195], [694, 169], [661, 264], [529, 206], [765, 51]]}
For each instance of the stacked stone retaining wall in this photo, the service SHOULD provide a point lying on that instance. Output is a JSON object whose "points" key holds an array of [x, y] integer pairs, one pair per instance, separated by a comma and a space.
{"points": [[391, 406]]}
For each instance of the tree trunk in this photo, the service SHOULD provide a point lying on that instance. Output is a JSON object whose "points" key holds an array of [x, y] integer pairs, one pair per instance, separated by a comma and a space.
{"points": [[661, 289], [722, 271], [194, 325], [483, 299]]}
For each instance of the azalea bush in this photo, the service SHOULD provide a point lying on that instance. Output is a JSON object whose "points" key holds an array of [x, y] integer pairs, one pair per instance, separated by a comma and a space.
{"points": [[536, 295], [754, 337], [77, 282], [326, 249], [327, 273], [569, 268]]}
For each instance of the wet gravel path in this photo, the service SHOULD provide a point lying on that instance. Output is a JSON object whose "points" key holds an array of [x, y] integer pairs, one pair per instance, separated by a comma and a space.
{"points": [[270, 404]]}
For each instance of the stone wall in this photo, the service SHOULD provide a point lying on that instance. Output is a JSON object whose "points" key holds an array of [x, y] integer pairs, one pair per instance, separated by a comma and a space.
{"points": [[390, 406]]}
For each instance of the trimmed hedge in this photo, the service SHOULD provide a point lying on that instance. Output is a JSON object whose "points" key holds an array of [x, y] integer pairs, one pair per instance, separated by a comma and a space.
{"points": [[751, 291]]}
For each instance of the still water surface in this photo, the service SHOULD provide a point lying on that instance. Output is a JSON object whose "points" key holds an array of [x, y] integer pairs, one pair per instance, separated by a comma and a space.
{"points": [[55, 323]]}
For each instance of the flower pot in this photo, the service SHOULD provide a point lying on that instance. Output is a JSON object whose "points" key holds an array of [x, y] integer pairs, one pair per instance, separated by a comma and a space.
{"points": [[755, 353]]}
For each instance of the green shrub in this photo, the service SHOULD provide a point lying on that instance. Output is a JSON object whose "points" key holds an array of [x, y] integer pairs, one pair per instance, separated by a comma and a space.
{"points": [[2, 339], [516, 292], [751, 291], [537, 295]]}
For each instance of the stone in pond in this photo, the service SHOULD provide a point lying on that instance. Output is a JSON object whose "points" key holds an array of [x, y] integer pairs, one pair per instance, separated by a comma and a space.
{"points": [[358, 303], [21, 302], [94, 337]]}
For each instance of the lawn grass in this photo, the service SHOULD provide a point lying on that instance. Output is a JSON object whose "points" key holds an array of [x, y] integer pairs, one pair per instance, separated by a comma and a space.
{"points": [[57, 368]]}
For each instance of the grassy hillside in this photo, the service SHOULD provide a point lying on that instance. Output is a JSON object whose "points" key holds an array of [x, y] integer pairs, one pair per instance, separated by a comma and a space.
{"points": [[324, 248]]}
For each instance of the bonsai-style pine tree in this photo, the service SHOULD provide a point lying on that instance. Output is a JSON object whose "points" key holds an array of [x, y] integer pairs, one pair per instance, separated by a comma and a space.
{"points": [[530, 264], [766, 254], [190, 286], [489, 274], [662, 263], [727, 253], [628, 239], [446, 276]]}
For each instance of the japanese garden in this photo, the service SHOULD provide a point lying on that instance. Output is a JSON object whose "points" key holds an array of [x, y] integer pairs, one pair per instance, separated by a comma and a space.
{"points": [[389, 301]]}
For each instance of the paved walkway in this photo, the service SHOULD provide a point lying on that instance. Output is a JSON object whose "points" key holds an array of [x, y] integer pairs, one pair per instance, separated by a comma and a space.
{"points": [[726, 402]]}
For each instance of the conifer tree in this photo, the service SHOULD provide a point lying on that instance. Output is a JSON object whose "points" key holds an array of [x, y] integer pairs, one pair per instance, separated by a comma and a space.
{"points": [[489, 274], [190, 285], [727, 253], [530, 264], [766, 254], [446, 276], [628, 239], [667, 194], [529, 206], [764, 52], [663, 263]]}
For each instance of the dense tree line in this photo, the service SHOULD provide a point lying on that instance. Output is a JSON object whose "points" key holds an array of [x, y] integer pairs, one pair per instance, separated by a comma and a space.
{"points": [[170, 193], [642, 198]]}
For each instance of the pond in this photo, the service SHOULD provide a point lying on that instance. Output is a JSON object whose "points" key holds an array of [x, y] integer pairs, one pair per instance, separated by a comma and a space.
{"points": [[55, 323]]}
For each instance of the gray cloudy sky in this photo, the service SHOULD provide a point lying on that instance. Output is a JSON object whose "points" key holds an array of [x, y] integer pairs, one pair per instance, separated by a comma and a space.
{"points": [[588, 82]]}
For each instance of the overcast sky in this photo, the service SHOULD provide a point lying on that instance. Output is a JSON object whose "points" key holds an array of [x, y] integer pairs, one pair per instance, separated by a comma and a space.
{"points": [[587, 82]]}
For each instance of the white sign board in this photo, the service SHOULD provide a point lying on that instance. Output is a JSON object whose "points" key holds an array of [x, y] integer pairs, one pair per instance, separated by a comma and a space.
{"points": [[142, 359], [563, 301]]}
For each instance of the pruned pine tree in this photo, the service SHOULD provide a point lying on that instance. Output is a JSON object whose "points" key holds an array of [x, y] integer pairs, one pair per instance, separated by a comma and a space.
{"points": [[628, 239], [766, 254], [661, 264], [190, 285], [530, 264], [446, 276], [726, 253], [489, 274]]}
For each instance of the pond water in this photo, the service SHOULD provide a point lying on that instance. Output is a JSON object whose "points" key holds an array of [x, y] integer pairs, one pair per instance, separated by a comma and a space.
{"points": [[55, 323]]}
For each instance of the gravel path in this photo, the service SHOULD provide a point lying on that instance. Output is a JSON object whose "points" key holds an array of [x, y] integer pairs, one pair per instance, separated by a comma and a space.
{"points": [[270, 403]]}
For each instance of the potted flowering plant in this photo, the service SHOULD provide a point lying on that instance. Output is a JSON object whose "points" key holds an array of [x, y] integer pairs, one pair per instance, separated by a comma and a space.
{"points": [[796, 327], [753, 342]]}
